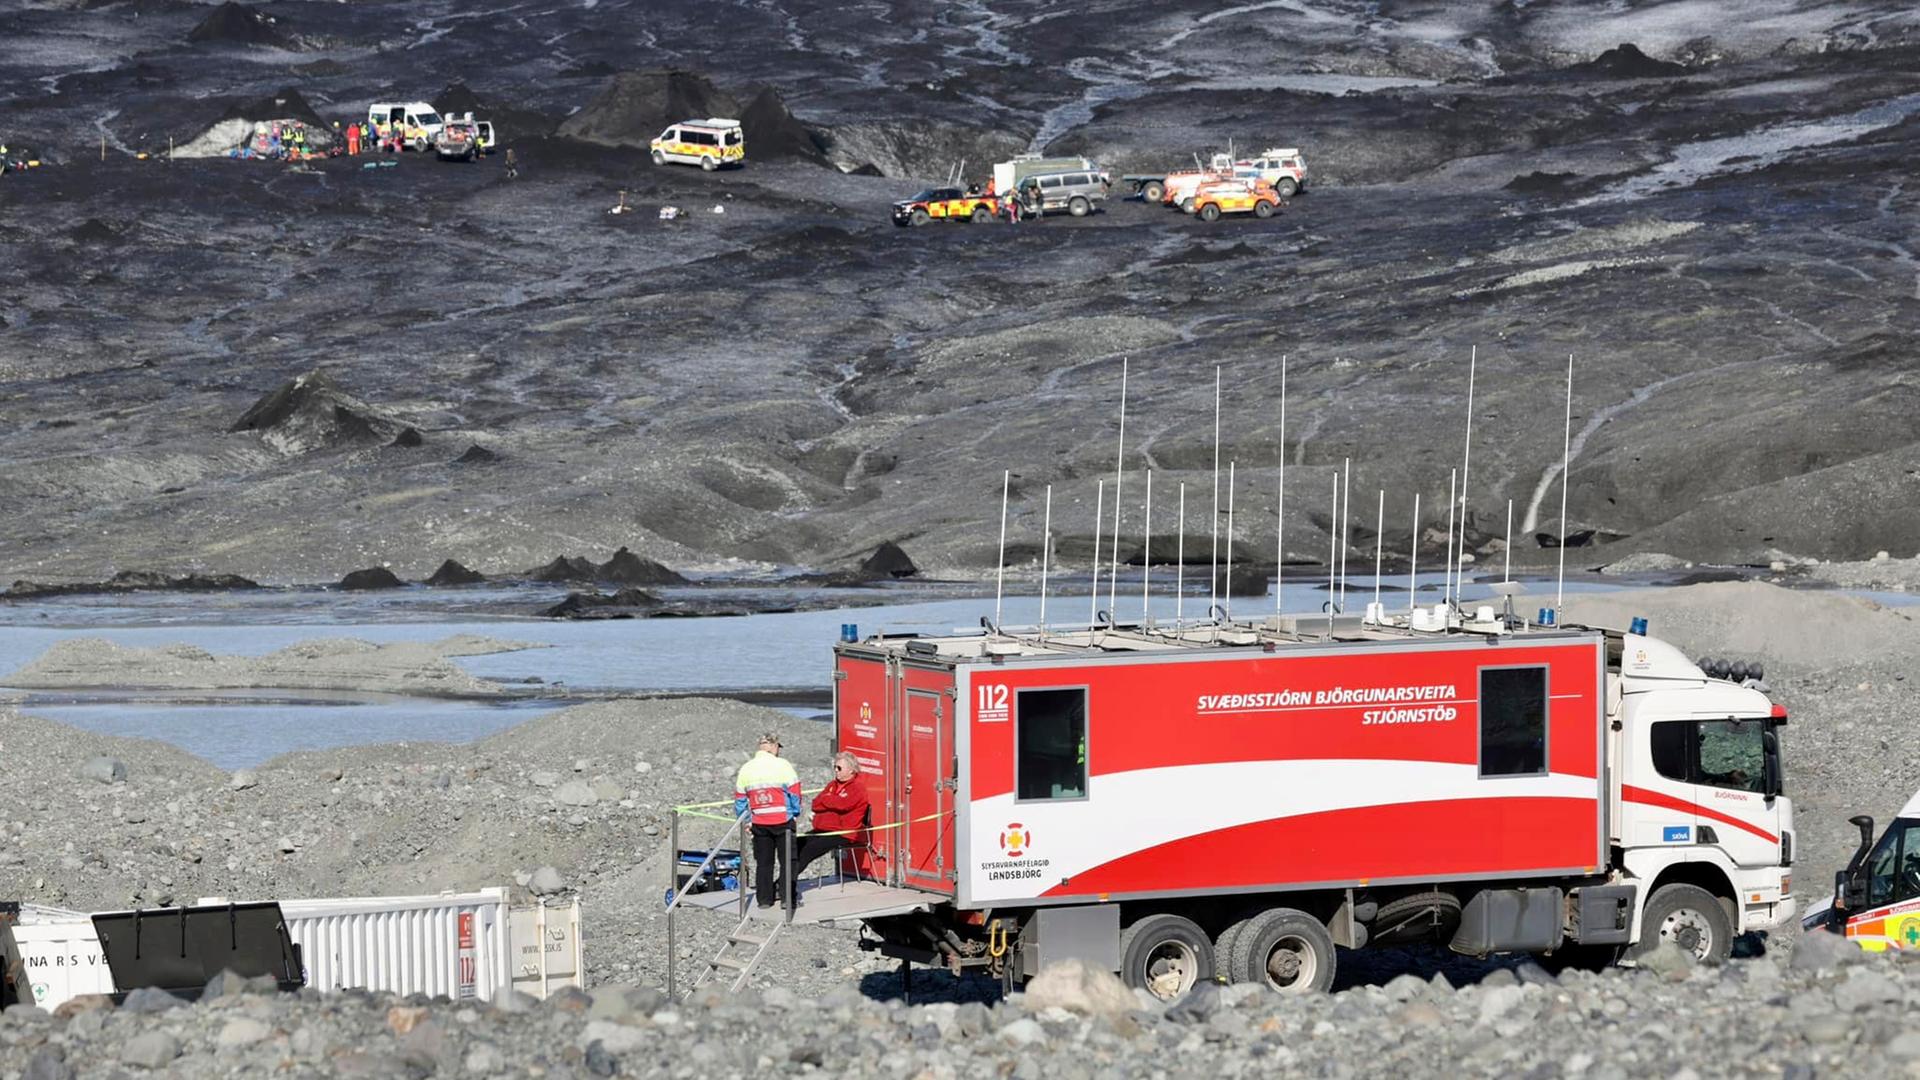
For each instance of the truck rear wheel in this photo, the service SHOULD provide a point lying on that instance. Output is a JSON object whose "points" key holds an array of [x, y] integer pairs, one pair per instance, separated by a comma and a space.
{"points": [[981, 215], [1165, 955], [1690, 917], [1286, 187], [1154, 191], [1288, 950], [1210, 212], [708, 164], [1079, 207], [1263, 209]]}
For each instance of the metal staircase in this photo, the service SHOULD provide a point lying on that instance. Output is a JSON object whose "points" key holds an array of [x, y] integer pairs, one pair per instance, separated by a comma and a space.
{"points": [[755, 934]]}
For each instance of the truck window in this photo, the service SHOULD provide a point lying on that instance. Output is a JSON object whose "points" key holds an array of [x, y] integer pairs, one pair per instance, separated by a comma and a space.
{"points": [[1669, 742], [1049, 181], [1513, 721], [1733, 755], [1893, 870], [1050, 736], [733, 138]]}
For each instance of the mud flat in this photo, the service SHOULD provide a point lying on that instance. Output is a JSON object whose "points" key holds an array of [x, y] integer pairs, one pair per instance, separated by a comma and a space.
{"points": [[346, 664]]}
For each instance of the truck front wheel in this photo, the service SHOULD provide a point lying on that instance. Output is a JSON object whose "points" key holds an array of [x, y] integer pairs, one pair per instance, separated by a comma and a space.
{"points": [[1165, 955], [1154, 191], [1288, 950], [1286, 187], [1690, 917]]}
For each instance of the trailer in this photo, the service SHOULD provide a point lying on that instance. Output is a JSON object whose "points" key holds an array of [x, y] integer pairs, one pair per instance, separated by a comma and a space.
{"points": [[1239, 799]]}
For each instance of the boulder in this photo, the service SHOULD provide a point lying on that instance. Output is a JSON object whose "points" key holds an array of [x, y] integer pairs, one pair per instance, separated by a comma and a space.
{"points": [[106, 770], [546, 881], [1246, 581], [476, 455], [373, 577], [1076, 987], [575, 793]]}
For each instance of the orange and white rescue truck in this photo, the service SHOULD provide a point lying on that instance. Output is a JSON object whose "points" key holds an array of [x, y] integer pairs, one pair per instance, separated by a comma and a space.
{"points": [[1241, 798]]}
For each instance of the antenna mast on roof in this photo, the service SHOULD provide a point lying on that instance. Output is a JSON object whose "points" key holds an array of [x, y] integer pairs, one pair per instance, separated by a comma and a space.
{"points": [[1093, 602], [1146, 558], [1119, 456], [1046, 558], [1000, 567], [1180, 561], [1379, 550], [1453, 490], [1346, 524], [1413, 559], [1226, 603], [1566, 460], [1333, 551], [1466, 471], [1213, 525], [1280, 512]]}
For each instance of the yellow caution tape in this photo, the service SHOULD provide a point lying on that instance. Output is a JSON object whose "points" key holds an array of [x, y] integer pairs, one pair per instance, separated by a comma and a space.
{"points": [[698, 810]]}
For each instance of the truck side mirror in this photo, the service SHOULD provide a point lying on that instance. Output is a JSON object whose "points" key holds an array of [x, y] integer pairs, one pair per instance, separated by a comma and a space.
{"points": [[1771, 781]]}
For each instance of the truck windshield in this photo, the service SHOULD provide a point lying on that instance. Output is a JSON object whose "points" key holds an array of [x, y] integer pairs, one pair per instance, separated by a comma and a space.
{"points": [[427, 119], [1733, 754], [1893, 870]]}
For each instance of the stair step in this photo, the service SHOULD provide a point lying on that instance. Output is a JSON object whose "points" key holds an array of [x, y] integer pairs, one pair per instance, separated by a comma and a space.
{"points": [[730, 963], [748, 939]]}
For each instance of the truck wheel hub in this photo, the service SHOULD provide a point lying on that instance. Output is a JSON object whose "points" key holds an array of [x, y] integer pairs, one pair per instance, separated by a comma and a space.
{"points": [[1689, 930], [1170, 971]]}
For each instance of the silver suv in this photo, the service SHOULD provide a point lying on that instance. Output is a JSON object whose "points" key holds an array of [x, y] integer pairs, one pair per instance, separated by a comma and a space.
{"points": [[1077, 191]]}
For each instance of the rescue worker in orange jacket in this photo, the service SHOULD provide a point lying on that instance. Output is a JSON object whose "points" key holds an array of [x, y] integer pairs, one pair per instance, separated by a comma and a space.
{"points": [[767, 793]]}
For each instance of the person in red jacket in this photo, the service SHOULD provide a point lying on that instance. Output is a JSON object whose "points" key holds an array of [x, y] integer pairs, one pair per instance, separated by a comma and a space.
{"points": [[839, 809]]}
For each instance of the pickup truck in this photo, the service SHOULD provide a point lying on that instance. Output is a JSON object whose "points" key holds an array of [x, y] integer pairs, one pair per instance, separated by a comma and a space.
{"points": [[1282, 167]]}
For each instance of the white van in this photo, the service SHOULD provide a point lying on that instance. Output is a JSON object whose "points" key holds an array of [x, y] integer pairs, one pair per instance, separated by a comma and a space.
{"points": [[706, 143], [418, 120]]}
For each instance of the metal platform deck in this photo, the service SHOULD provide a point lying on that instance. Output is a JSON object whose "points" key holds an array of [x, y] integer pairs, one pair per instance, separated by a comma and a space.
{"points": [[822, 902]]}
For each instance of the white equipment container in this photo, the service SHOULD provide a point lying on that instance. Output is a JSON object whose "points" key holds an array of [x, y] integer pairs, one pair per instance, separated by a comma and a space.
{"points": [[55, 954], [463, 945]]}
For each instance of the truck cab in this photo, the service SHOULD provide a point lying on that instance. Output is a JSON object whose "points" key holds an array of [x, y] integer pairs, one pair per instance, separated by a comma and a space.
{"points": [[1876, 900], [1700, 797], [1282, 167]]}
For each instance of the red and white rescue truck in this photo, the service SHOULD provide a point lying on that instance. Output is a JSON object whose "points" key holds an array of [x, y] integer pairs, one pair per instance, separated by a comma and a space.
{"points": [[1241, 798]]}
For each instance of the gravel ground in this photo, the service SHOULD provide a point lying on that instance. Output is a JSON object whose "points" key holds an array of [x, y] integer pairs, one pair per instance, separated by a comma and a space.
{"points": [[401, 667], [585, 790]]}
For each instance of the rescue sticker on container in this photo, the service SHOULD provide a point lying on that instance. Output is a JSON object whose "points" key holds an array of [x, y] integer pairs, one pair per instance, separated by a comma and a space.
{"points": [[1678, 834], [1016, 843], [990, 705], [469, 965]]}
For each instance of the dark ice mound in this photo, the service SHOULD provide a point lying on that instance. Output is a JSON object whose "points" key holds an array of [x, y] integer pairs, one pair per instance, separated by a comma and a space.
{"points": [[311, 411], [94, 231], [888, 561], [132, 581], [288, 104], [626, 568], [1540, 183], [476, 455], [1626, 61], [566, 568], [453, 573], [634, 106], [238, 24], [373, 577], [772, 132], [599, 605]]}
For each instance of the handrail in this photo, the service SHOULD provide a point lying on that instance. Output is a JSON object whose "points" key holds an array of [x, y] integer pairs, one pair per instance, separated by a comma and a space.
{"points": [[699, 872]]}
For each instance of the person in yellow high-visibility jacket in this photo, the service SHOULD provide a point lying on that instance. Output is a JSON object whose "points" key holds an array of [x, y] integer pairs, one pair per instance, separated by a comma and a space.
{"points": [[767, 793]]}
